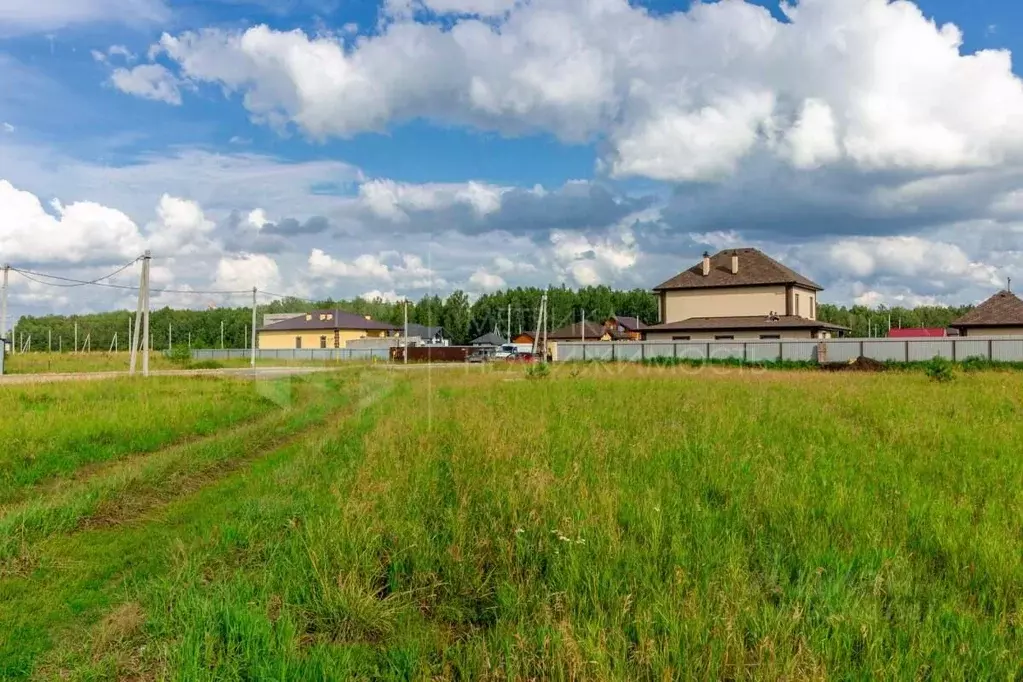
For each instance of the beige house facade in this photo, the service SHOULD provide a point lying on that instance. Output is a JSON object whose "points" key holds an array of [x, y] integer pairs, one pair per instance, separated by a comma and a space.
{"points": [[321, 329], [739, 294]]}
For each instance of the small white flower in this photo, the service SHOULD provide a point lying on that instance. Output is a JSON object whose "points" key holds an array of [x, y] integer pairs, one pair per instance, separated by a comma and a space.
{"points": [[580, 541], [519, 531]]}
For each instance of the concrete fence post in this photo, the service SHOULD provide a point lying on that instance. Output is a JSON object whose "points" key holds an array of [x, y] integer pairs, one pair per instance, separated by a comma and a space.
{"points": [[907, 351], [707, 357], [990, 350], [861, 348]]}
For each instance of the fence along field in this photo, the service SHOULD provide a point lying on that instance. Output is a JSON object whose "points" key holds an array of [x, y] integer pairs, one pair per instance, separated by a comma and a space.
{"points": [[641, 524]]}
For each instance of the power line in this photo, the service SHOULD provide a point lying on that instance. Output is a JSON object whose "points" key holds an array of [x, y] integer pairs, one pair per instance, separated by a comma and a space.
{"points": [[31, 275], [77, 282]]}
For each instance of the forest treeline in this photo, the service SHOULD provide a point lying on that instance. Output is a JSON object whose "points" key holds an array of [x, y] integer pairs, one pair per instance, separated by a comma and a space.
{"points": [[463, 319]]}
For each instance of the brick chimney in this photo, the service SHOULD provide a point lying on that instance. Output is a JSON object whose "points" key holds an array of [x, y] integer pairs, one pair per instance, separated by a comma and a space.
{"points": [[706, 263], [735, 262]]}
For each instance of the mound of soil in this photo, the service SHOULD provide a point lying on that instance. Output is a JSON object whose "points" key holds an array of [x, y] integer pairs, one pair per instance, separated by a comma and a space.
{"points": [[860, 364]]}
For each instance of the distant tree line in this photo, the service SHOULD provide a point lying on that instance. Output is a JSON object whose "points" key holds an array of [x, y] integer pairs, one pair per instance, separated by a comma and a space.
{"points": [[463, 320]]}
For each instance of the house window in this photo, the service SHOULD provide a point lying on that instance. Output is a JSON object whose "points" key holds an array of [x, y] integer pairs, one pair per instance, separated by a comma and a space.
{"points": [[298, 342], [770, 336], [337, 338], [724, 338], [798, 314], [680, 338], [323, 342], [813, 308]]}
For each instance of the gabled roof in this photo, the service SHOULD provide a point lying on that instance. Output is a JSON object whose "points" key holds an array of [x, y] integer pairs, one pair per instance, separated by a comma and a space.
{"points": [[489, 339], [423, 331], [631, 324], [1004, 309], [739, 323], [327, 320], [756, 268], [575, 332]]}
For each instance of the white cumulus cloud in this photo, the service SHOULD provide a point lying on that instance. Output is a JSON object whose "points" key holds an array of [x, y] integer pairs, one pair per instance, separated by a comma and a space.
{"points": [[394, 200], [148, 81], [678, 96], [81, 231]]}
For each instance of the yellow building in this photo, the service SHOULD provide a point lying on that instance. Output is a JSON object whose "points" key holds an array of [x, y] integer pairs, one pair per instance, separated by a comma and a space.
{"points": [[739, 294], [321, 329]]}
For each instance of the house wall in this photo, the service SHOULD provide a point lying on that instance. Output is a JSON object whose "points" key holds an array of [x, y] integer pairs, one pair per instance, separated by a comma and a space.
{"points": [[311, 338], [743, 335], [993, 331], [724, 302], [803, 303]]}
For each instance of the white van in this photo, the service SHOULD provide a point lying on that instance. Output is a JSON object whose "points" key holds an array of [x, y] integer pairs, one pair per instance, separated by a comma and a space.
{"points": [[506, 350]]}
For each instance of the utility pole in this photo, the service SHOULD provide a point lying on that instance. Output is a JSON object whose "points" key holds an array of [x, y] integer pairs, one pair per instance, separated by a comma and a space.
{"points": [[49, 340], [582, 327], [147, 342], [404, 354], [170, 336], [76, 336], [509, 323], [133, 338], [141, 338], [253, 360], [3, 309], [221, 335]]}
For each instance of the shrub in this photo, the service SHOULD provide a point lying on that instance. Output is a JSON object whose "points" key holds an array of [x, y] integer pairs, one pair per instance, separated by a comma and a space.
{"points": [[940, 369], [180, 355], [976, 363], [540, 370]]}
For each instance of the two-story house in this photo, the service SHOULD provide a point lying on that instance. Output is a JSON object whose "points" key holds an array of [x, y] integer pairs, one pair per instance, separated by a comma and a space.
{"points": [[739, 294]]}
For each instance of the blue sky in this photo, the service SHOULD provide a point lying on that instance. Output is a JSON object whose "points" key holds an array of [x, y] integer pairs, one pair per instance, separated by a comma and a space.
{"points": [[427, 145]]}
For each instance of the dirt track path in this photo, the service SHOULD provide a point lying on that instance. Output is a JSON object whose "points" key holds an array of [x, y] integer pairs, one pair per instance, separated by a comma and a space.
{"points": [[259, 372]]}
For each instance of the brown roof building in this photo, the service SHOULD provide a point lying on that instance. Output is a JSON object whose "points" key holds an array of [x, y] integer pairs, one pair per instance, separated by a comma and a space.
{"points": [[739, 294], [321, 329], [590, 331], [1000, 315]]}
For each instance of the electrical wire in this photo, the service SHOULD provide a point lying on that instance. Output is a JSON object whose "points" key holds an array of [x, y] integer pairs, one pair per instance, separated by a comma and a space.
{"points": [[77, 282], [30, 275]]}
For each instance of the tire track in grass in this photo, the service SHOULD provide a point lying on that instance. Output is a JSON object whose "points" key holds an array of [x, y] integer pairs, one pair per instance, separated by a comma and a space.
{"points": [[129, 487], [91, 470], [83, 575]]}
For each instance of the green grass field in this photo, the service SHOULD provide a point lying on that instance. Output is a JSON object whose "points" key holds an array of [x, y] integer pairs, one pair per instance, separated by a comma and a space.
{"points": [[67, 363], [599, 523]]}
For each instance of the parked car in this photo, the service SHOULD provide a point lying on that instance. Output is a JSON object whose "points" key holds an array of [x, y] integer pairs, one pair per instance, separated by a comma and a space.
{"points": [[477, 356], [506, 350], [521, 357]]}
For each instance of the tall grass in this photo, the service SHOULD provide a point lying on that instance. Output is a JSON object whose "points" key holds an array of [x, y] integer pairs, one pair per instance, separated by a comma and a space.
{"points": [[652, 525], [52, 430]]}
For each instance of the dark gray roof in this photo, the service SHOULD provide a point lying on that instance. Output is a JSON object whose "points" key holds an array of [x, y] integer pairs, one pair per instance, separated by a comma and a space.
{"points": [[756, 268], [423, 331], [489, 339], [757, 322], [329, 320], [575, 331], [631, 324]]}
